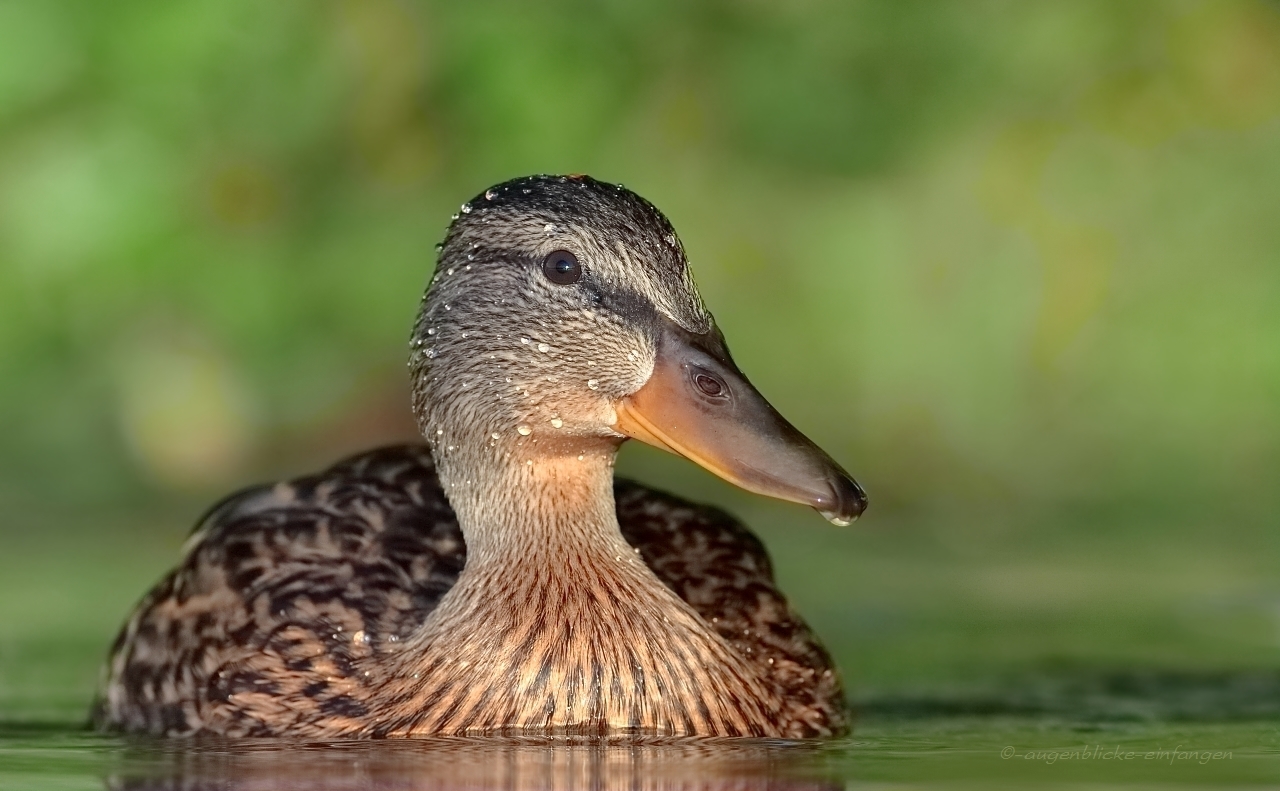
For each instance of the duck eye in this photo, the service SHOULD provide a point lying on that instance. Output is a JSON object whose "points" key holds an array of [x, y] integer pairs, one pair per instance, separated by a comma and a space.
{"points": [[562, 268]]}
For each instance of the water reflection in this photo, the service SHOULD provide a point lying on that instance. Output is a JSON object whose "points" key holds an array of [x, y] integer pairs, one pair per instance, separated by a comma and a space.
{"points": [[470, 763]]}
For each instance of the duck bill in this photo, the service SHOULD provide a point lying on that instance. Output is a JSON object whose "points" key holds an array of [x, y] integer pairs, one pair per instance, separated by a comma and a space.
{"points": [[698, 405]]}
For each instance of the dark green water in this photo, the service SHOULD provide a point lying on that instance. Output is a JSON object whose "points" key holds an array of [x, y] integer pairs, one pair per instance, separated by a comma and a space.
{"points": [[968, 751], [1067, 727]]}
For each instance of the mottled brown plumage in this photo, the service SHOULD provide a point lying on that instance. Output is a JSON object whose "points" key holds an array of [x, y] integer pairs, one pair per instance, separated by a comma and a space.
{"points": [[500, 581], [289, 592]]}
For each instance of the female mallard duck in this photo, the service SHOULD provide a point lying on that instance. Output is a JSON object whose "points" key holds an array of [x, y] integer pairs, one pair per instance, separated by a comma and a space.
{"points": [[503, 582]]}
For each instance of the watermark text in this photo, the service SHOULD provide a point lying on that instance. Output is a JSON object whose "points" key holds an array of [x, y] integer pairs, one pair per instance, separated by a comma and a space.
{"points": [[1098, 752]]}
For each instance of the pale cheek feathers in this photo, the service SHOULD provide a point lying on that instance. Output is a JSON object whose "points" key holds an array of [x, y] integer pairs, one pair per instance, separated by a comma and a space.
{"points": [[568, 376]]}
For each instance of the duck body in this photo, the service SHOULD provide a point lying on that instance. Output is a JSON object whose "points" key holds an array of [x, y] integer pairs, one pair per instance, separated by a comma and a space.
{"points": [[294, 600], [498, 580]]}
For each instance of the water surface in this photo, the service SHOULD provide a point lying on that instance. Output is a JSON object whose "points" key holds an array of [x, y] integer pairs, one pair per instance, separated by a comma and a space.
{"points": [[915, 752]]}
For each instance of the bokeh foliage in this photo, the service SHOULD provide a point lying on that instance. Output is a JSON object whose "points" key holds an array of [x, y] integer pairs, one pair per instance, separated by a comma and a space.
{"points": [[1016, 264]]}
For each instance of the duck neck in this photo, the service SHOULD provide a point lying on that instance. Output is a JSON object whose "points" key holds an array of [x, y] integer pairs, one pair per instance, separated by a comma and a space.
{"points": [[552, 507], [555, 623]]}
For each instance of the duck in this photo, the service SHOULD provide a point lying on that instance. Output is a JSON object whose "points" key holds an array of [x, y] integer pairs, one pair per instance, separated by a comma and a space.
{"points": [[496, 580]]}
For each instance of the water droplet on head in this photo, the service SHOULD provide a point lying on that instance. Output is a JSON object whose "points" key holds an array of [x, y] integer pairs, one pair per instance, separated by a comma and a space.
{"points": [[557, 422], [439, 431], [466, 208], [594, 384], [495, 435], [490, 194], [524, 341], [431, 330], [446, 307], [579, 457], [449, 271], [523, 430], [544, 348]]}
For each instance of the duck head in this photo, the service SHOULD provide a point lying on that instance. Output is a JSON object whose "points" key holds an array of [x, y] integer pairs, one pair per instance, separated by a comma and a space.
{"points": [[562, 319]]}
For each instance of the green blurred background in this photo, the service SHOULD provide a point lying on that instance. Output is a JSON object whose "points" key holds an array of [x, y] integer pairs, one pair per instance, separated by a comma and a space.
{"points": [[1017, 265]]}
